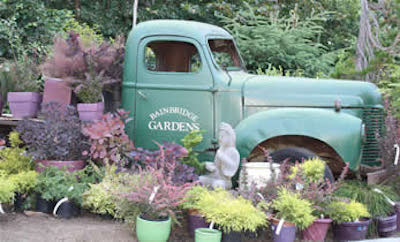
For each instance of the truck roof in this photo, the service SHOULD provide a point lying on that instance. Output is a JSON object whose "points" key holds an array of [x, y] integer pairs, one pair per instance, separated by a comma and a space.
{"points": [[192, 29]]}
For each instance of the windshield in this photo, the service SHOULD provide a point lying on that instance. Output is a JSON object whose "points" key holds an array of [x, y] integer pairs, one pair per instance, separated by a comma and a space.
{"points": [[225, 53]]}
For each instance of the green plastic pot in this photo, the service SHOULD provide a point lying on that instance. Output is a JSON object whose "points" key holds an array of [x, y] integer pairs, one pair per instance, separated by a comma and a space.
{"points": [[152, 231], [207, 235]]}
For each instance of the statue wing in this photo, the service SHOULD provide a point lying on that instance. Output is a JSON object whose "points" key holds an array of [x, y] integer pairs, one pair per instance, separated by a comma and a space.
{"points": [[231, 165]]}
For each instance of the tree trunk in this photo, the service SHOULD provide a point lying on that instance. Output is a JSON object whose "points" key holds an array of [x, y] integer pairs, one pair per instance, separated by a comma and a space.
{"points": [[77, 8]]}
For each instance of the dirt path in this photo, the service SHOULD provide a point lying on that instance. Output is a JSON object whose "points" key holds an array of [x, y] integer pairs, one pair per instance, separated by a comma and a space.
{"points": [[87, 228]]}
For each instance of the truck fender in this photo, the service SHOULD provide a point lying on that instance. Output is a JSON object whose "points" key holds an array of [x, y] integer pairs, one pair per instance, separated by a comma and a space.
{"points": [[341, 131]]}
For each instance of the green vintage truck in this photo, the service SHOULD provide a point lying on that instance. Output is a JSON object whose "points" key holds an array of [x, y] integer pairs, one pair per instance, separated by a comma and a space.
{"points": [[183, 75]]}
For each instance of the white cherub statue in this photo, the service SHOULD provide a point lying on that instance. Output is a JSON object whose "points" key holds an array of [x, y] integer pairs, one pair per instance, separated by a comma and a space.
{"points": [[226, 161]]}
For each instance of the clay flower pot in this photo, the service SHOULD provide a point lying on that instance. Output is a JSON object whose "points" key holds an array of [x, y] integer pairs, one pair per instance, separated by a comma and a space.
{"points": [[317, 230], [24, 104], [387, 226], [351, 230], [287, 232], [90, 111], [70, 166]]}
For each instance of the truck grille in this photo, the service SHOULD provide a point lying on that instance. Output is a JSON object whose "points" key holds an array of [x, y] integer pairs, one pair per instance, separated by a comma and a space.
{"points": [[373, 119]]}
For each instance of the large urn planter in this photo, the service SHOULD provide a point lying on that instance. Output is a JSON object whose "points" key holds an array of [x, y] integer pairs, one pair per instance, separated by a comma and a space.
{"points": [[195, 220], [259, 172], [150, 231], [317, 230], [207, 235], [70, 166], [387, 226], [351, 230], [90, 111], [286, 234], [24, 104]]}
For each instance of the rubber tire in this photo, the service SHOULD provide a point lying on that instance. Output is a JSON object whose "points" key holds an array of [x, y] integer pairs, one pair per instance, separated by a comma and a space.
{"points": [[298, 154]]}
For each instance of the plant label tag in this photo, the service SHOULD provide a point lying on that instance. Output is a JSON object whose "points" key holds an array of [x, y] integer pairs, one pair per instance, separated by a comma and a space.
{"points": [[278, 229]]}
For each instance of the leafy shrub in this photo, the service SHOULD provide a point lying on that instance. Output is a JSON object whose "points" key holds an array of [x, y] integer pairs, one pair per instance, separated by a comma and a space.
{"points": [[87, 69], [361, 192], [313, 169], [58, 137], [193, 196], [7, 188], [24, 181], [20, 75], [291, 207], [341, 212], [190, 141], [108, 141], [13, 159], [168, 155], [55, 184], [228, 212], [98, 199]]}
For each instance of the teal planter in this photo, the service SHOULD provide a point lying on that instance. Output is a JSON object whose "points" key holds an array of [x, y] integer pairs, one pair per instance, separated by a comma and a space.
{"points": [[152, 231], [207, 235]]}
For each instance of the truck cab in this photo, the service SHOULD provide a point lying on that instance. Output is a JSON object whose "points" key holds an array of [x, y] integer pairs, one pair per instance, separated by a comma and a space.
{"points": [[181, 76]]}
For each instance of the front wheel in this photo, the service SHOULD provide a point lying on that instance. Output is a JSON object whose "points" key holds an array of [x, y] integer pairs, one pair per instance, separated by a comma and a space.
{"points": [[294, 154]]}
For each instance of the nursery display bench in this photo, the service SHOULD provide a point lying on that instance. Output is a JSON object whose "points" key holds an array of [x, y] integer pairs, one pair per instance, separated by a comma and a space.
{"points": [[8, 122]]}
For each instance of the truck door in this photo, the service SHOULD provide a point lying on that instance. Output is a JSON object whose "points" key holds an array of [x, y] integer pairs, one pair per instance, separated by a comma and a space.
{"points": [[173, 92]]}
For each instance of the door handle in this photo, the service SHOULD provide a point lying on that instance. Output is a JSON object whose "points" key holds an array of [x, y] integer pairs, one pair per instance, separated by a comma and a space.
{"points": [[142, 95]]}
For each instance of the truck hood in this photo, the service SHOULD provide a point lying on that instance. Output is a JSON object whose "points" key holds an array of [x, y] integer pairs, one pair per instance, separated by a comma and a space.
{"points": [[276, 91]]}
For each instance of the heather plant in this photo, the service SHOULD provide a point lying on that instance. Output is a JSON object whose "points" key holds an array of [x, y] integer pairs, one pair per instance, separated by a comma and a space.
{"points": [[7, 188], [87, 69], [340, 211], [14, 159], [107, 138], [190, 141], [313, 169], [57, 137], [388, 139], [291, 207], [230, 213], [168, 153], [193, 196]]}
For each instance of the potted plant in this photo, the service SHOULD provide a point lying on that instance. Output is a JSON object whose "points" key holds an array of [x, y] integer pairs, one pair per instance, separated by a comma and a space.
{"points": [[307, 178], [7, 190], [22, 79], [231, 215], [87, 69], [109, 144], [24, 182], [59, 192], [294, 211], [350, 220], [194, 217], [158, 200], [379, 202], [57, 140]]}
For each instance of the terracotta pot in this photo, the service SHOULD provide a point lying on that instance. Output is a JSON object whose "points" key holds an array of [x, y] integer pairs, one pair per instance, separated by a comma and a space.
{"points": [[90, 111], [56, 90], [24, 104], [70, 166], [287, 233], [350, 230], [387, 226], [317, 230]]}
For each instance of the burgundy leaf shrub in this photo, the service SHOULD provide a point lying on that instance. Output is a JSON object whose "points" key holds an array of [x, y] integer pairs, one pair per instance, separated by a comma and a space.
{"points": [[58, 137], [168, 153], [109, 143]]}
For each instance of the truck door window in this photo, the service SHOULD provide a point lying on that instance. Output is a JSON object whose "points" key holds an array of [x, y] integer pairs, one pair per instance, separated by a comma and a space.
{"points": [[225, 53], [172, 56]]}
